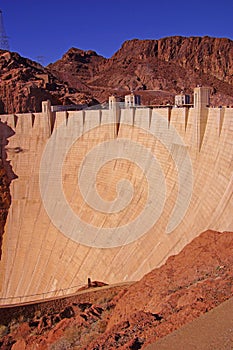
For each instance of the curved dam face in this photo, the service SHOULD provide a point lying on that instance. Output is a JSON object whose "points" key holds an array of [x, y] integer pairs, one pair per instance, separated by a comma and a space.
{"points": [[110, 194]]}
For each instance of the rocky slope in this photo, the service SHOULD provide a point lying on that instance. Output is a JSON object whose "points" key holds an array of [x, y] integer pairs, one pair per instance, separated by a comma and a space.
{"points": [[156, 69], [129, 317]]}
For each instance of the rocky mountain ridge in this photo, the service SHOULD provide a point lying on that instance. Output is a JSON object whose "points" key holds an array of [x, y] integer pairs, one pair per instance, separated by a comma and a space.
{"points": [[166, 66], [156, 69]]}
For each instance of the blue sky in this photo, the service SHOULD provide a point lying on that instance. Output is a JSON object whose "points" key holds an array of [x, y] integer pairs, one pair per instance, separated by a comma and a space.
{"points": [[49, 28]]}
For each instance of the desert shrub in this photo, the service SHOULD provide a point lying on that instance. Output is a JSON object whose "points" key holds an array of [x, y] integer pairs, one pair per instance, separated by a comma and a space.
{"points": [[88, 337], [21, 318], [101, 326], [37, 314], [61, 344], [73, 334], [3, 330], [14, 325]]}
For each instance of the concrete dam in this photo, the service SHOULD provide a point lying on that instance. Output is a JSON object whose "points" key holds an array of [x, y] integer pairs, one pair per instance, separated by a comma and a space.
{"points": [[110, 194]]}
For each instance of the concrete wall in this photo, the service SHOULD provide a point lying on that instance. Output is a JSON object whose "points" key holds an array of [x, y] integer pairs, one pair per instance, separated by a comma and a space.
{"points": [[55, 239]]}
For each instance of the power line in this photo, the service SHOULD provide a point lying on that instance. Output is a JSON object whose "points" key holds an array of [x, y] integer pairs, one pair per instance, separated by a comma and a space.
{"points": [[4, 44], [40, 59]]}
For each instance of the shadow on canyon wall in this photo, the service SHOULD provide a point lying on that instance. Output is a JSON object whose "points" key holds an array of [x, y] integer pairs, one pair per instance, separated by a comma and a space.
{"points": [[6, 176]]}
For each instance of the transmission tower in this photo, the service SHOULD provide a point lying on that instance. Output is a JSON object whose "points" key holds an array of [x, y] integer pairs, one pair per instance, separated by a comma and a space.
{"points": [[4, 44]]}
